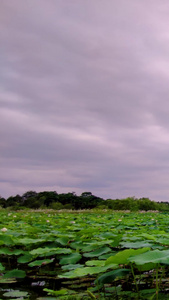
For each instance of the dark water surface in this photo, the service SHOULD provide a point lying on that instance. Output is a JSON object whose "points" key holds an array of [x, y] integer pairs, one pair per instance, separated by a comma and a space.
{"points": [[34, 288]]}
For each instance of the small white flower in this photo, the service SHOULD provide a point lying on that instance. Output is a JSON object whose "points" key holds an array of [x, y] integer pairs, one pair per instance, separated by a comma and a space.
{"points": [[4, 229], [73, 222], [47, 221], [14, 216], [9, 214], [119, 220]]}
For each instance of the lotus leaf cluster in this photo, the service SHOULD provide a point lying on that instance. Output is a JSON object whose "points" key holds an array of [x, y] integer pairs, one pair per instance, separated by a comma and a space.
{"points": [[84, 255]]}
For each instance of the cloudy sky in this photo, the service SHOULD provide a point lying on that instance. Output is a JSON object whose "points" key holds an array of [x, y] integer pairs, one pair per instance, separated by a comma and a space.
{"points": [[84, 97]]}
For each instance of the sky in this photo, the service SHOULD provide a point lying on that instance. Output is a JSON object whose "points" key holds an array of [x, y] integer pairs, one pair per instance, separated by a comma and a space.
{"points": [[84, 97]]}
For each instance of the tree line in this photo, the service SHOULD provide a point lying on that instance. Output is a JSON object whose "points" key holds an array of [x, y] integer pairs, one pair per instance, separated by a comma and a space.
{"points": [[53, 200]]}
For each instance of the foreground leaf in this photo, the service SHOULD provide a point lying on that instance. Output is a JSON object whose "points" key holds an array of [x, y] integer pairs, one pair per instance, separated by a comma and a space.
{"points": [[15, 294], [15, 273], [110, 276], [97, 252], [73, 258], [40, 262], [155, 256], [81, 272], [122, 256]]}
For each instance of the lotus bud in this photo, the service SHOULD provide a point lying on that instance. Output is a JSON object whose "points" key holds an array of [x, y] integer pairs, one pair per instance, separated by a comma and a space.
{"points": [[4, 229]]}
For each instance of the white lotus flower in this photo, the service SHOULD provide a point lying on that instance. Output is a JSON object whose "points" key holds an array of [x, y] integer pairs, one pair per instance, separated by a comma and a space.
{"points": [[4, 229]]}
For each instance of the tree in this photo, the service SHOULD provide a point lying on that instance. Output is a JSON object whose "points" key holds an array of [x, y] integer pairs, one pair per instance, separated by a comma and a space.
{"points": [[48, 197], [29, 194], [2, 202]]}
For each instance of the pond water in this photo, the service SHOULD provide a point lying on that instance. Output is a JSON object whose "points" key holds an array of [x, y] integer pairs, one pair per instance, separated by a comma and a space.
{"points": [[29, 288]]}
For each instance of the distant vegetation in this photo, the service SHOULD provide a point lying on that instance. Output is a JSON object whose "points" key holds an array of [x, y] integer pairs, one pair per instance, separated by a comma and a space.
{"points": [[86, 200]]}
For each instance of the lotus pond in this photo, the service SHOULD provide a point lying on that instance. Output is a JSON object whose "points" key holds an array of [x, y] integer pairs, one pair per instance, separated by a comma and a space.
{"points": [[84, 255]]}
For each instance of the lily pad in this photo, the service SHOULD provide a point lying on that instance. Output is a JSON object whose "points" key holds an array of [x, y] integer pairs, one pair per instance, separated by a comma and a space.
{"points": [[7, 280], [25, 259], [81, 272], [63, 240], [136, 245], [50, 251], [6, 239], [98, 252], [2, 268], [15, 273], [97, 263], [122, 256], [73, 258], [72, 266], [155, 256], [16, 294], [110, 276], [40, 262]]}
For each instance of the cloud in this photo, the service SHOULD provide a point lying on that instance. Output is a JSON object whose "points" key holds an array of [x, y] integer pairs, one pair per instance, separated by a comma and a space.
{"points": [[84, 97]]}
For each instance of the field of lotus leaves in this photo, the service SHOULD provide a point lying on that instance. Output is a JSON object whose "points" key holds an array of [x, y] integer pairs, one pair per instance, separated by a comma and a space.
{"points": [[84, 255]]}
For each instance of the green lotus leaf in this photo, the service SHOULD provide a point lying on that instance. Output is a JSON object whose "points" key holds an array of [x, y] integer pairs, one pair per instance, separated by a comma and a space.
{"points": [[73, 258], [148, 291], [154, 256], [7, 280], [16, 294], [132, 238], [62, 241], [15, 273], [163, 241], [148, 236], [28, 241], [81, 272], [106, 256], [97, 263], [6, 240], [122, 256], [6, 251], [97, 252], [146, 267], [50, 251], [72, 266], [16, 252], [107, 235], [46, 298], [25, 259], [40, 262], [2, 268], [77, 245], [116, 240], [135, 245], [110, 276], [90, 247], [56, 293]]}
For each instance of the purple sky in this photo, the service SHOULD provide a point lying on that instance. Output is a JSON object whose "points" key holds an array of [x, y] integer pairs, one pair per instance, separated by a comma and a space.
{"points": [[84, 97]]}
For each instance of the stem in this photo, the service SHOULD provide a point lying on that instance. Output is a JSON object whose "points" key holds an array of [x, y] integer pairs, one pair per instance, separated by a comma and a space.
{"points": [[98, 289], [104, 292], [116, 292], [132, 270], [162, 275], [157, 282], [9, 263]]}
